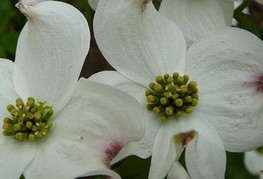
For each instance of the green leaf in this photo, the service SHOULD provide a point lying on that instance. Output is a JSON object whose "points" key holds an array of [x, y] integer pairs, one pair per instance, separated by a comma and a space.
{"points": [[134, 168], [6, 14], [8, 41], [246, 22], [157, 4], [236, 168], [2, 52]]}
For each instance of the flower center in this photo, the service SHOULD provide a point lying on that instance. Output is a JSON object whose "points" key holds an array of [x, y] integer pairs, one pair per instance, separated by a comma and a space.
{"points": [[172, 96], [28, 121]]}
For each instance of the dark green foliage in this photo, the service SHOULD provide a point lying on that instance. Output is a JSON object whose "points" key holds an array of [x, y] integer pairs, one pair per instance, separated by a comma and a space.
{"points": [[236, 168], [246, 22], [134, 168], [11, 24]]}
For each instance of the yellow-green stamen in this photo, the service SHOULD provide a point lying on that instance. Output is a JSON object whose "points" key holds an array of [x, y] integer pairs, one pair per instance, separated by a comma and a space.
{"points": [[29, 121], [172, 96]]}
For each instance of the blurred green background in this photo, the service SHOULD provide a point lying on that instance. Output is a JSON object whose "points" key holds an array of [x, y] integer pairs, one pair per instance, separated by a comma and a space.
{"points": [[12, 21]]}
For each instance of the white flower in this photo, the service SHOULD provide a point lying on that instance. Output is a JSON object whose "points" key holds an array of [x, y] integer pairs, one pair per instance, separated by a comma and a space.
{"points": [[196, 18], [177, 172], [32, 2], [91, 122], [93, 4], [227, 66], [254, 162]]}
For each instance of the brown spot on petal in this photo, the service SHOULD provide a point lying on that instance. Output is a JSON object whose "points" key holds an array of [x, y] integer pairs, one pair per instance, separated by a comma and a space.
{"points": [[185, 138], [144, 4]]}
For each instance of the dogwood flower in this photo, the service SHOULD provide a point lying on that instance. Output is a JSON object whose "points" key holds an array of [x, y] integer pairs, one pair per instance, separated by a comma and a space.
{"points": [[205, 100], [93, 4], [254, 162], [32, 2], [53, 125], [196, 18]]}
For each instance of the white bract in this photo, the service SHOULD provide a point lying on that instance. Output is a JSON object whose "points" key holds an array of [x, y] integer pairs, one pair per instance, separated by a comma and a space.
{"points": [[32, 2], [91, 122], [93, 4], [226, 65], [254, 162], [196, 18]]}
